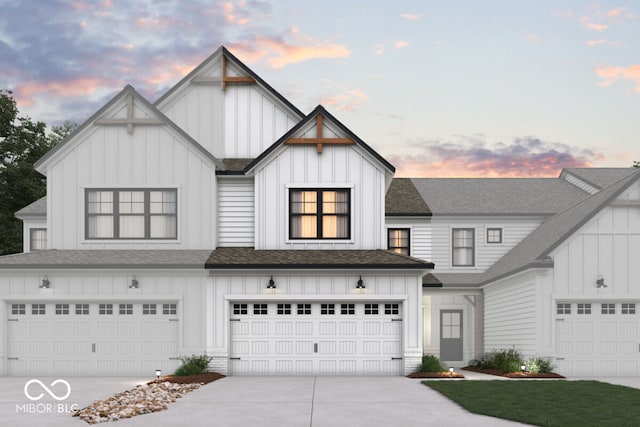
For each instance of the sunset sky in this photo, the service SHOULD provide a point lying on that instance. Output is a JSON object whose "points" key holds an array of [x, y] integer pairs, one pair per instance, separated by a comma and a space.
{"points": [[446, 88]]}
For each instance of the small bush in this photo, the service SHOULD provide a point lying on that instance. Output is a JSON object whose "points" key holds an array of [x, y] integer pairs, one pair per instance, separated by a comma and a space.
{"points": [[539, 365], [193, 365], [431, 363], [503, 360]]}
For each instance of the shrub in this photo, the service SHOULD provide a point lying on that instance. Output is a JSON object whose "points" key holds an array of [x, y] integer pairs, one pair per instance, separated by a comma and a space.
{"points": [[193, 365], [431, 363], [539, 365], [503, 360]]}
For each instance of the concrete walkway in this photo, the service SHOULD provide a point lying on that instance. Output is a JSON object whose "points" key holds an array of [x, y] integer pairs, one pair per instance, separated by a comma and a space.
{"points": [[266, 401]]}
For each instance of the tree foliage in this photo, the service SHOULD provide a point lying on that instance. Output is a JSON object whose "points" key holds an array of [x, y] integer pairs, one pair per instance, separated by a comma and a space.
{"points": [[22, 143], [636, 164]]}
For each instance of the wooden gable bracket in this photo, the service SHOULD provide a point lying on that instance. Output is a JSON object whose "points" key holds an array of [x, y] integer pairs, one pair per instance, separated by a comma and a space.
{"points": [[319, 140], [130, 120], [225, 79]]}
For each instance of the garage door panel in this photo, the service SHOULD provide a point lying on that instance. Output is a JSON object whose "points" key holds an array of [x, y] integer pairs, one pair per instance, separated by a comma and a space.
{"points": [[347, 328], [259, 328], [347, 348]]}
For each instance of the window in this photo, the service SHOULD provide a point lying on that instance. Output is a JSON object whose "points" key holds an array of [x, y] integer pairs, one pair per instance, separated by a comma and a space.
{"points": [[260, 309], [37, 239], [170, 309], [62, 308], [608, 309], [37, 309], [239, 308], [105, 308], [125, 309], [563, 308], [371, 309], [347, 309], [18, 309], [82, 309], [304, 309], [463, 247], [628, 309], [327, 309], [131, 214], [319, 214], [151, 309], [398, 240], [284, 308], [584, 308], [391, 309], [494, 235]]}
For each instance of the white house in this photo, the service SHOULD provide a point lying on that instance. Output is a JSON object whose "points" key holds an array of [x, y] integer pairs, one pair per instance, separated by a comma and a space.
{"points": [[221, 219]]}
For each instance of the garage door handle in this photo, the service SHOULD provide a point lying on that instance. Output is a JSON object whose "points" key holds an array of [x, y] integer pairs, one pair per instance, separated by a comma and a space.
{"points": [[93, 348], [396, 320], [559, 320], [396, 358], [234, 358], [174, 358], [559, 358], [12, 320], [315, 347], [12, 358]]}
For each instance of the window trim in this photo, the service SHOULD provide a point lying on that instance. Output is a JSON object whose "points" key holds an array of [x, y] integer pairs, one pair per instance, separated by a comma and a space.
{"points": [[320, 187], [31, 232], [473, 246], [392, 248], [116, 213], [499, 241]]}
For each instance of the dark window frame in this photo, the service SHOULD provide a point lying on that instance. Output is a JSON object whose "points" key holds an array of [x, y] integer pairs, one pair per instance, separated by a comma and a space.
{"points": [[472, 247], [371, 309], [319, 214], [115, 213], [32, 240], [563, 308], [260, 309], [399, 249], [494, 242], [283, 309]]}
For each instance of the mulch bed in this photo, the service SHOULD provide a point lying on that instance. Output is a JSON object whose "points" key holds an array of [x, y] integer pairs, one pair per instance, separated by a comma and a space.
{"points": [[520, 375], [444, 375], [205, 378]]}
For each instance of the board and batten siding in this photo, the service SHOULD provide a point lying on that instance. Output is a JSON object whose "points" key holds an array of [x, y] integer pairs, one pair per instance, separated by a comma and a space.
{"points": [[486, 254], [607, 245], [419, 231], [336, 167], [109, 157], [236, 211]]}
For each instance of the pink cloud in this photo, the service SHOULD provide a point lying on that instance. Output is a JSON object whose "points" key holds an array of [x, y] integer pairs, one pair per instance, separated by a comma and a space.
{"points": [[596, 42], [616, 12], [349, 100], [531, 38], [597, 27], [27, 92], [611, 75], [411, 17], [400, 44], [378, 49], [233, 16]]}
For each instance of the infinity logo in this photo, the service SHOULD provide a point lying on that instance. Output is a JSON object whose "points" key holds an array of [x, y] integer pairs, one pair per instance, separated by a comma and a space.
{"points": [[52, 394]]}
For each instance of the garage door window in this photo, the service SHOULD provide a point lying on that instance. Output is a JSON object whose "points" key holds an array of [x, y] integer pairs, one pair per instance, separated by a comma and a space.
{"points": [[608, 309], [62, 309], [105, 309], [126, 309], [584, 308], [150, 309], [327, 309], [371, 309], [260, 309], [82, 309], [347, 309], [304, 309], [628, 309], [563, 308], [18, 309], [391, 309], [37, 309], [284, 308], [169, 309]]}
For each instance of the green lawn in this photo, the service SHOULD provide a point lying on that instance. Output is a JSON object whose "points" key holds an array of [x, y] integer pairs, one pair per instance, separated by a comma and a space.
{"points": [[547, 402]]}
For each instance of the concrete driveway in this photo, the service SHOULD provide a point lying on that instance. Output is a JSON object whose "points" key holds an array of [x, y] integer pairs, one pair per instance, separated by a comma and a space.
{"points": [[263, 401]]}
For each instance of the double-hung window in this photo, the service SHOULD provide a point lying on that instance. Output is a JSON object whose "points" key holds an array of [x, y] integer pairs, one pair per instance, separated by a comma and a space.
{"points": [[320, 213], [463, 247], [37, 239], [131, 214], [398, 240]]}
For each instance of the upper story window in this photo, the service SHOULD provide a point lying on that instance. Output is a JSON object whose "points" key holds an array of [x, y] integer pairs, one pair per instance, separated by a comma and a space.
{"points": [[131, 214], [398, 240], [494, 235], [37, 239], [319, 213], [463, 247]]}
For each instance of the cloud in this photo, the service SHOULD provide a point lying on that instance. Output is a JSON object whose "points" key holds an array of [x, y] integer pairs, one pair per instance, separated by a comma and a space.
{"points": [[597, 27], [400, 44], [474, 157], [616, 12], [349, 99], [596, 42], [411, 17], [378, 49], [531, 38], [611, 75]]}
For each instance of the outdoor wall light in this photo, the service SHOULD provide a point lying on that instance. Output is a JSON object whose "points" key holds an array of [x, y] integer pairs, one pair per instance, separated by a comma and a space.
{"points": [[134, 283], [46, 284], [158, 373], [451, 371], [360, 284], [272, 284], [600, 282]]}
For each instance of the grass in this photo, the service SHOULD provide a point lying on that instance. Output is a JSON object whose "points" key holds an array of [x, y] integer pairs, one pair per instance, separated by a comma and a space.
{"points": [[547, 403]]}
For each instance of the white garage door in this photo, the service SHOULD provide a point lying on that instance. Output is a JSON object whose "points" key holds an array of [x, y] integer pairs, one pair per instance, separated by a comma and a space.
{"points": [[597, 338], [81, 338], [316, 339]]}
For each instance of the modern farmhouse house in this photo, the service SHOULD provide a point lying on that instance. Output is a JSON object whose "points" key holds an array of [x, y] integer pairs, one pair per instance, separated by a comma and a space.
{"points": [[222, 219]]}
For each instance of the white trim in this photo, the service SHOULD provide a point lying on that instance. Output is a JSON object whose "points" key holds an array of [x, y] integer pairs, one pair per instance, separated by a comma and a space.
{"points": [[316, 297]]}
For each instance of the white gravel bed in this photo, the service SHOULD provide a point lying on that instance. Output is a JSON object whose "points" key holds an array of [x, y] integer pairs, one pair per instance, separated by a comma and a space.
{"points": [[141, 400]]}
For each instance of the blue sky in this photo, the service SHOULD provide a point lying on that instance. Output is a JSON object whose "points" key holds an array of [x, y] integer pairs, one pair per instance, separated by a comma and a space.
{"points": [[455, 88]]}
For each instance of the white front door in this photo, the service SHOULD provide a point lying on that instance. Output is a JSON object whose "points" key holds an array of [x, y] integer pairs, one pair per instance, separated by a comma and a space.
{"points": [[305, 338], [88, 338]]}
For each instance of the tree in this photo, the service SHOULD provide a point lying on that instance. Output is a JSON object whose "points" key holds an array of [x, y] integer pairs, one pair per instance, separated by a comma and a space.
{"points": [[636, 164], [22, 143]]}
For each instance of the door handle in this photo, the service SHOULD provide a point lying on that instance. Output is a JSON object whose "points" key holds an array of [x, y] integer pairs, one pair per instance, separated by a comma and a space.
{"points": [[93, 348], [315, 347]]}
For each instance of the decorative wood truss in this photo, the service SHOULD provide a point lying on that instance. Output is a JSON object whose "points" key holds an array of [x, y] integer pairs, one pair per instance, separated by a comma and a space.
{"points": [[224, 80], [319, 140], [130, 120]]}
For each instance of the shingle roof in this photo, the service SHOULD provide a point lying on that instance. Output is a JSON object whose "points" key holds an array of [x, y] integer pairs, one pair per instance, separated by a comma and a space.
{"points": [[109, 259], [37, 208], [497, 196], [243, 258], [234, 166], [403, 199], [600, 177]]}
